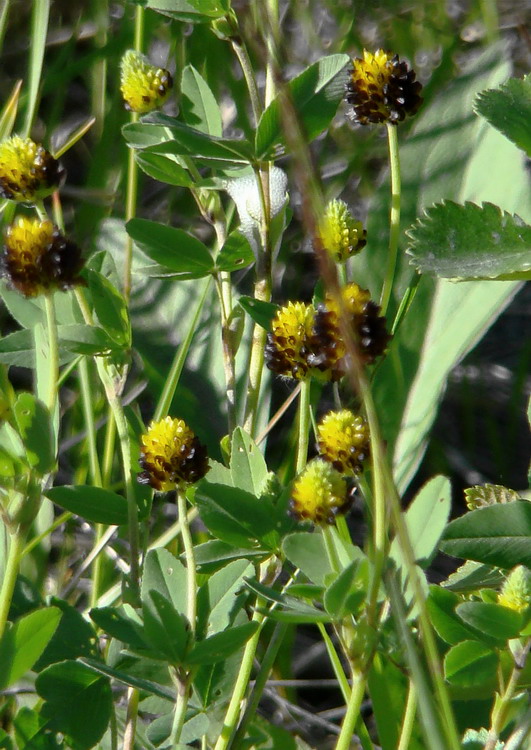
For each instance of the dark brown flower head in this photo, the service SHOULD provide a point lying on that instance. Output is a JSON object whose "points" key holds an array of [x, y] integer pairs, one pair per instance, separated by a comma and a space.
{"points": [[382, 89], [37, 258], [364, 318], [28, 172], [343, 440], [171, 456]]}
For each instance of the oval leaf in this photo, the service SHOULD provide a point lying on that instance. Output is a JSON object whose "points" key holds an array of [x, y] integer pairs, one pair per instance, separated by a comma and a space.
{"points": [[498, 535], [92, 503], [494, 620], [464, 242], [173, 249], [470, 664]]}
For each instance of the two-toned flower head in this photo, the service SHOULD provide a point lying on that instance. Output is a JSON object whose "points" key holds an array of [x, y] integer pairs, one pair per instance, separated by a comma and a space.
{"points": [[363, 316], [339, 232], [319, 494], [37, 258], [382, 89], [144, 87], [28, 172], [171, 456], [292, 348], [343, 440]]}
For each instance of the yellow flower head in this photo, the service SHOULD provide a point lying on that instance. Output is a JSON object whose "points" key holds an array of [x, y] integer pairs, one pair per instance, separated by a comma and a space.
{"points": [[343, 440], [516, 591], [382, 89], [171, 455], [144, 87], [37, 258], [287, 345], [319, 494], [340, 234], [28, 172]]}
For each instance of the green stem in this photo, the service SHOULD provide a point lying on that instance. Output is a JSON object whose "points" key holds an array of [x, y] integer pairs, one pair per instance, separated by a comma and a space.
{"points": [[176, 369], [502, 706], [335, 661], [179, 715], [53, 352], [183, 682], [191, 574], [4, 11], [130, 720], [108, 450], [266, 665], [238, 694], [262, 292], [342, 273], [59, 521], [241, 53], [228, 353], [352, 714], [16, 547], [99, 69], [131, 195], [108, 377], [304, 425], [394, 230], [95, 472], [273, 22], [408, 721]]}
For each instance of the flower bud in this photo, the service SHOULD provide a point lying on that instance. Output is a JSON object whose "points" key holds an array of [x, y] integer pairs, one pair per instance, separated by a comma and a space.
{"points": [[319, 494], [144, 87], [340, 234], [516, 591]]}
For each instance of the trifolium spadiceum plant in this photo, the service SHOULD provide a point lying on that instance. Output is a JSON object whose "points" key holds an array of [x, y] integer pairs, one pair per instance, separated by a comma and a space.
{"points": [[263, 376]]}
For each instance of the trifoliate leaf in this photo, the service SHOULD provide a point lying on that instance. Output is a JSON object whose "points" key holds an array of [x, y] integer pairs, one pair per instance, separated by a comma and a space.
{"points": [[508, 109], [464, 242]]}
